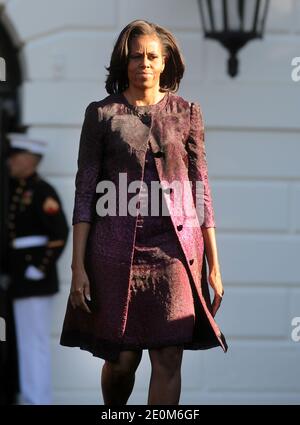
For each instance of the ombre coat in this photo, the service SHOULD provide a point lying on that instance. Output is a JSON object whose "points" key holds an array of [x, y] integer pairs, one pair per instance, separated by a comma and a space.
{"points": [[114, 140]]}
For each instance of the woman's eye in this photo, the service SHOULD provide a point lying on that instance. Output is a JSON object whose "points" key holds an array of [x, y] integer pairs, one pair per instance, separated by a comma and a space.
{"points": [[140, 56]]}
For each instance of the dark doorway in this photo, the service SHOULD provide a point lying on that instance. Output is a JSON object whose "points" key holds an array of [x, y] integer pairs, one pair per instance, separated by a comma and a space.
{"points": [[9, 122]]}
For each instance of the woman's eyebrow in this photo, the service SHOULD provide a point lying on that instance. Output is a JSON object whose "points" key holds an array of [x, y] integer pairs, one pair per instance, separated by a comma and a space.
{"points": [[135, 52]]}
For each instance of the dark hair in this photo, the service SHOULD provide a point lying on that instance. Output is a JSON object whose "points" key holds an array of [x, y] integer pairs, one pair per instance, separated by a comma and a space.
{"points": [[117, 79]]}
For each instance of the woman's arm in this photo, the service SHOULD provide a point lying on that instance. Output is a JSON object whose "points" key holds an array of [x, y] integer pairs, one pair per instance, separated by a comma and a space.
{"points": [[210, 246], [80, 235], [80, 287], [90, 156], [198, 172], [209, 236], [88, 172]]}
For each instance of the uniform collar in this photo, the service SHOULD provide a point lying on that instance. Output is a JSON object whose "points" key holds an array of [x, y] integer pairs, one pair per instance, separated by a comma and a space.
{"points": [[24, 181]]}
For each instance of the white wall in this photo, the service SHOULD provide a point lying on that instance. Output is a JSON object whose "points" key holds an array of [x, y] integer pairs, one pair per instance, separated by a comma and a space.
{"points": [[252, 138]]}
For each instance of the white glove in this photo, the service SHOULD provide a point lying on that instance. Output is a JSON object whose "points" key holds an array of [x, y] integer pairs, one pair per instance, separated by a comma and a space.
{"points": [[33, 273]]}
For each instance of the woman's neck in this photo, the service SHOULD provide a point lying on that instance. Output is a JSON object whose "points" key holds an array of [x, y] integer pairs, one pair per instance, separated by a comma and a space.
{"points": [[143, 98]]}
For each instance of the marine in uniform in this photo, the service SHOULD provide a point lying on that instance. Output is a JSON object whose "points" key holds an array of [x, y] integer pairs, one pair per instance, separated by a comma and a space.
{"points": [[38, 232]]}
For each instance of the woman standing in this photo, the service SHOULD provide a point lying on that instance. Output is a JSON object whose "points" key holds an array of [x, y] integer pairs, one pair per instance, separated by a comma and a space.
{"points": [[139, 277]]}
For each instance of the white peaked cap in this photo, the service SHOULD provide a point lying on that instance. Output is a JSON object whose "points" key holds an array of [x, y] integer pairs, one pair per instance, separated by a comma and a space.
{"points": [[26, 143]]}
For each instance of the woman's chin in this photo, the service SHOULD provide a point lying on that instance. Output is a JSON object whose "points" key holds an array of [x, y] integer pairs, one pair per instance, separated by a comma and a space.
{"points": [[144, 84]]}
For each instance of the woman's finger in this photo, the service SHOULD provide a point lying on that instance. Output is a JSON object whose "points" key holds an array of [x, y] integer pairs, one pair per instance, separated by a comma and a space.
{"points": [[87, 292], [84, 306], [75, 297], [216, 304], [71, 301]]}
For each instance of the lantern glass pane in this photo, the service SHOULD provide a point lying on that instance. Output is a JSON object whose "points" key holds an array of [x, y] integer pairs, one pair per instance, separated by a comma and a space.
{"points": [[234, 19], [204, 15], [218, 15], [249, 14], [261, 16]]}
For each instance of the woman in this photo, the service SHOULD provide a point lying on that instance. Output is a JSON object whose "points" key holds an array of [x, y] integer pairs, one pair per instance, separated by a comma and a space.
{"points": [[139, 281]]}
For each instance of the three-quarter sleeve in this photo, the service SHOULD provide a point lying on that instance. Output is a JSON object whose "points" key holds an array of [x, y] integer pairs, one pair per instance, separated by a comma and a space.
{"points": [[198, 165], [90, 155]]}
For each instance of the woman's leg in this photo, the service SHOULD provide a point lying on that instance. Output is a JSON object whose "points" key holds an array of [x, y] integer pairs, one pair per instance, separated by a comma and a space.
{"points": [[117, 378], [165, 382]]}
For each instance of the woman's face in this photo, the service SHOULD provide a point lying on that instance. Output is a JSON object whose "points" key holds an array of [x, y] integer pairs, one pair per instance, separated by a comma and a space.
{"points": [[146, 62]]}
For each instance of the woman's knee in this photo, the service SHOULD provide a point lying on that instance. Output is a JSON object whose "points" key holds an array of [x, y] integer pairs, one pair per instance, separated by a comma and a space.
{"points": [[166, 359], [126, 364]]}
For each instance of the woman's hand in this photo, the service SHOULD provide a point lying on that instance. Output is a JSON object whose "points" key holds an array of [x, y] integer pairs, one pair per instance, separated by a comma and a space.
{"points": [[215, 281], [80, 289]]}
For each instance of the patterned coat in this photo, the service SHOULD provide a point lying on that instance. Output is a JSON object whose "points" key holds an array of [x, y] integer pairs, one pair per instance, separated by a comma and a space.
{"points": [[114, 140]]}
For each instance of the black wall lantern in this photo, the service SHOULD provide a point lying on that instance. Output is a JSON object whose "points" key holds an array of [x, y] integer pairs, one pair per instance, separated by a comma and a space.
{"points": [[233, 23]]}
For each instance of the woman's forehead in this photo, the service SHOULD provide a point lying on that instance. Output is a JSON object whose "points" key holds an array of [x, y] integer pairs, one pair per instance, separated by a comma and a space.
{"points": [[150, 42]]}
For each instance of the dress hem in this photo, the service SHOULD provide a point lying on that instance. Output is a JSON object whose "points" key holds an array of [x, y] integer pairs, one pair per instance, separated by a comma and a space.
{"points": [[109, 350]]}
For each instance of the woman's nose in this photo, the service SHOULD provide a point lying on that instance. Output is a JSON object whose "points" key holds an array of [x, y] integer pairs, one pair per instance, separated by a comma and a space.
{"points": [[145, 60]]}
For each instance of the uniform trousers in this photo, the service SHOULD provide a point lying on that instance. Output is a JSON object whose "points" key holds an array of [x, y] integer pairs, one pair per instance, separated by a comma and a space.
{"points": [[33, 316]]}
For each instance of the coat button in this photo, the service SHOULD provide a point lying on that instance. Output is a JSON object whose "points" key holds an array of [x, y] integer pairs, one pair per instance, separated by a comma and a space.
{"points": [[191, 261], [179, 227]]}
